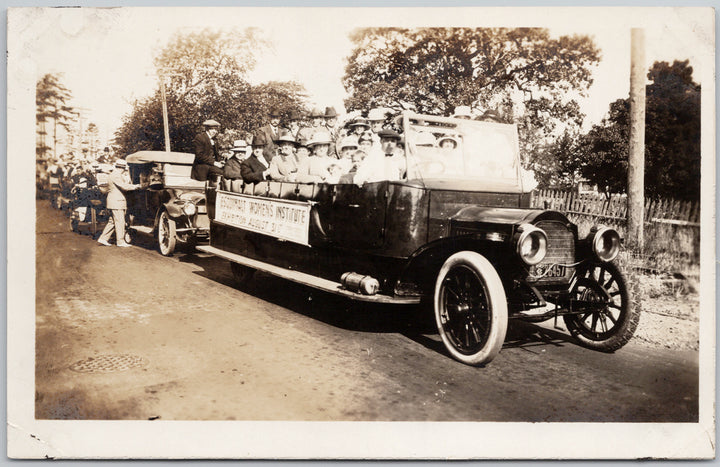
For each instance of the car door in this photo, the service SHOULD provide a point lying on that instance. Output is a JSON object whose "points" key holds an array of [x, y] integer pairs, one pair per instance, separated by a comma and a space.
{"points": [[356, 216]]}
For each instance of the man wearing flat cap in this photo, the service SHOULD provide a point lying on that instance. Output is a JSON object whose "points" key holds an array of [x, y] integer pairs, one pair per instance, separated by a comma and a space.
{"points": [[206, 154]]}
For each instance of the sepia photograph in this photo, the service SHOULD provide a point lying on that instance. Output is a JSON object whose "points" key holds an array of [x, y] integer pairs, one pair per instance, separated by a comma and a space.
{"points": [[361, 233]]}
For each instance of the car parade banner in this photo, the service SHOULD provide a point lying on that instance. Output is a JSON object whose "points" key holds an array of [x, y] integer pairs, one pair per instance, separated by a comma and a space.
{"points": [[288, 220]]}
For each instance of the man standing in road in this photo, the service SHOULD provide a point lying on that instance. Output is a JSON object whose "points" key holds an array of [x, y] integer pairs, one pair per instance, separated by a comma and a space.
{"points": [[118, 184], [206, 154]]}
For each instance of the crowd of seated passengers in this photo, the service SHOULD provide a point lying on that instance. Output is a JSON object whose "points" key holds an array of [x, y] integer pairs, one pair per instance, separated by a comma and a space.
{"points": [[358, 160]]}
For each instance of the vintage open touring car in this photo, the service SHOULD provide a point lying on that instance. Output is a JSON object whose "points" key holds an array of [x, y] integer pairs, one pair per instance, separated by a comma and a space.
{"points": [[457, 230], [169, 204]]}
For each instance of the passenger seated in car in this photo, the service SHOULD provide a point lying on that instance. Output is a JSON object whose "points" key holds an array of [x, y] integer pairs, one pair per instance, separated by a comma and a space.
{"points": [[359, 126], [232, 169], [335, 172], [255, 168], [314, 169], [451, 157], [284, 167], [302, 151], [365, 141], [347, 146], [357, 157], [317, 118], [389, 163]]}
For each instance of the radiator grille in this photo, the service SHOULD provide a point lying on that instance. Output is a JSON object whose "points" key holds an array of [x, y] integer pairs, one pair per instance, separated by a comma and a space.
{"points": [[560, 250]]}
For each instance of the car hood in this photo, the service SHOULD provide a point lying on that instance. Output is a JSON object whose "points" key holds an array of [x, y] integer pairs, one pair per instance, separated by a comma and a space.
{"points": [[504, 215]]}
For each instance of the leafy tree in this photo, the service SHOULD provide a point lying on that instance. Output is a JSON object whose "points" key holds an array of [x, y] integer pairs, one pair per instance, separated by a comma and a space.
{"points": [[206, 77], [672, 138], [51, 102], [524, 72]]}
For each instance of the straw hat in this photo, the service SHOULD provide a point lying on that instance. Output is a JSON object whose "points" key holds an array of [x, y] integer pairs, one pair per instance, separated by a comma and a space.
{"points": [[239, 145], [320, 137], [211, 123], [349, 142], [462, 111], [375, 115], [286, 137]]}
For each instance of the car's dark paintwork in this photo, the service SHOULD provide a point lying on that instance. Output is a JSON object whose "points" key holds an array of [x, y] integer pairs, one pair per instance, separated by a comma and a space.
{"points": [[469, 242], [399, 232]]}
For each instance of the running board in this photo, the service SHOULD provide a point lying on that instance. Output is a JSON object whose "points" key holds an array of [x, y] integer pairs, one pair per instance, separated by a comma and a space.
{"points": [[306, 279], [142, 228]]}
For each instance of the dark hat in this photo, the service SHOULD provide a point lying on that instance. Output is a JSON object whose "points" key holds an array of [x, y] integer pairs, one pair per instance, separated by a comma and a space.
{"points": [[330, 112], [286, 137], [295, 115], [389, 134], [274, 113], [492, 115], [259, 139], [359, 122]]}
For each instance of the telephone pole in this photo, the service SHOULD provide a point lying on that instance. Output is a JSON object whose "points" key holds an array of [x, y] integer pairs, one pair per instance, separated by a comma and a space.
{"points": [[165, 113], [636, 159]]}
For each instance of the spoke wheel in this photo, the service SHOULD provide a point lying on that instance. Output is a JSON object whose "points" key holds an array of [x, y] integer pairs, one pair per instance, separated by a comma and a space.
{"points": [[612, 317], [470, 308], [166, 234]]}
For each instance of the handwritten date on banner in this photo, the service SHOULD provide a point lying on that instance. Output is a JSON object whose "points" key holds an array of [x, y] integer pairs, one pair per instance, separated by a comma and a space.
{"points": [[289, 220]]}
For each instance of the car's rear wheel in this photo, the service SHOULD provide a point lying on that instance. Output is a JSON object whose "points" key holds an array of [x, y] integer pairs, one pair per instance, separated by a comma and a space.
{"points": [[470, 308], [242, 274], [611, 317], [166, 234]]}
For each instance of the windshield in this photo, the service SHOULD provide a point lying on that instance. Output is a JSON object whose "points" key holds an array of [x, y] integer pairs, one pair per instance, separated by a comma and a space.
{"points": [[455, 149]]}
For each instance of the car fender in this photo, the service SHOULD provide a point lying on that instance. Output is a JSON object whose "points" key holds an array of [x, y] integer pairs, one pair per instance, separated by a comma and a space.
{"points": [[420, 270]]}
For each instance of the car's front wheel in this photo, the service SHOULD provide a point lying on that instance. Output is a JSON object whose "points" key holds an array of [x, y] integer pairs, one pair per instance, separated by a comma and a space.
{"points": [[609, 316], [166, 234], [470, 308]]}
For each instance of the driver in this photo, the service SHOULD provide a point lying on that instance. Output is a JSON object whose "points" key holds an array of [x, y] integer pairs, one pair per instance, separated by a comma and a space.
{"points": [[388, 163]]}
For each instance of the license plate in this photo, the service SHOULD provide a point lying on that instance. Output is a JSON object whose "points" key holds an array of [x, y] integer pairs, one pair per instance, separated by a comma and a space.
{"points": [[550, 270]]}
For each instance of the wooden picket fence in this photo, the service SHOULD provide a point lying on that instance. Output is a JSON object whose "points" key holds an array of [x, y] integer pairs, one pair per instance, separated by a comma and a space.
{"points": [[672, 228], [614, 209]]}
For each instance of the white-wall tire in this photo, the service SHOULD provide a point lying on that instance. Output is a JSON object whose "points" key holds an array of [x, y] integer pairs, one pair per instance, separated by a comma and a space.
{"points": [[470, 308]]}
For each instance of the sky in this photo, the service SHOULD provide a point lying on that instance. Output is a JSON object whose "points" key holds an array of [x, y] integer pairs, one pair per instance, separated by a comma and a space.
{"points": [[105, 55]]}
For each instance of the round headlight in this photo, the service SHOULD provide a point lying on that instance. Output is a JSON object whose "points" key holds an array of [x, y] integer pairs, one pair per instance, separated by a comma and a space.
{"points": [[531, 244], [605, 243], [189, 209]]}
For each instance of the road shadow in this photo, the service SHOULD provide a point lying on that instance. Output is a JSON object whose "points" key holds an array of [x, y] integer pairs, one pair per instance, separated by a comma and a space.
{"points": [[416, 322]]}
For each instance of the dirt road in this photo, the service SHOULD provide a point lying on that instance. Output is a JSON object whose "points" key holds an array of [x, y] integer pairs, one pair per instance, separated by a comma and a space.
{"points": [[174, 339]]}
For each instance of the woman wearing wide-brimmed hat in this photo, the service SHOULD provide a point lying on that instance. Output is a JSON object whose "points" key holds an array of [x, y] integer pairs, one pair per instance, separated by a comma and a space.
{"points": [[314, 169], [284, 166]]}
